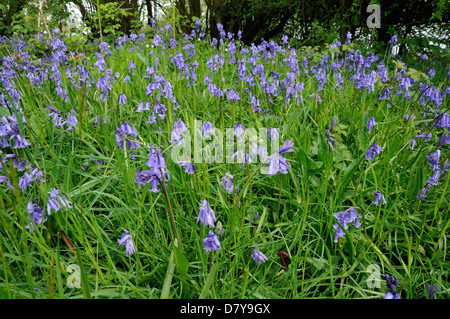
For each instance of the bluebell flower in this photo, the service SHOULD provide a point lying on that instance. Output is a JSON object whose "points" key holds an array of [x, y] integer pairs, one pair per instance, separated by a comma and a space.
{"points": [[349, 38], [71, 120], [178, 129], [433, 158], [36, 214], [188, 167], [258, 256], [239, 130], [4, 179], [434, 178], [374, 149], [227, 182], [378, 197], [273, 134], [432, 291], [277, 164], [20, 142], [330, 139], [392, 283], [131, 67], [207, 129], [57, 201], [393, 40], [371, 123], [345, 218], [122, 99], [127, 240], [128, 131], [25, 181], [287, 147], [211, 242], [157, 171], [206, 214]]}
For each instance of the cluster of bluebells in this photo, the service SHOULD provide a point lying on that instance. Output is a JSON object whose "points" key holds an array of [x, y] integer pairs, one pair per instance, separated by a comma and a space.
{"points": [[156, 174], [345, 218], [373, 150], [227, 182], [58, 120], [126, 136], [207, 217], [258, 256], [437, 170], [392, 283]]}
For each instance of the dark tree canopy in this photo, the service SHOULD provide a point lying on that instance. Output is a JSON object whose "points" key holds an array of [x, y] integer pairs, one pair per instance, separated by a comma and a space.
{"points": [[304, 22]]}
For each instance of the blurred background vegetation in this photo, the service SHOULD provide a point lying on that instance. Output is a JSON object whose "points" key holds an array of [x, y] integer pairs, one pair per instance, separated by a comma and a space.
{"points": [[421, 25]]}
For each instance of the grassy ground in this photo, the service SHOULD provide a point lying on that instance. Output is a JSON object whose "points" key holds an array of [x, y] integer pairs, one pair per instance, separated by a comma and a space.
{"points": [[301, 95]]}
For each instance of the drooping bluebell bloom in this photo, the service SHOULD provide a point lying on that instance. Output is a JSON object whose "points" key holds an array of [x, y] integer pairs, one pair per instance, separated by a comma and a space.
{"points": [[233, 95], [258, 256], [434, 178], [371, 123], [131, 67], [392, 283], [374, 149], [4, 179], [239, 130], [330, 139], [393, 40], [227, 182], [36, 214], [422, 193], [57, 201], [127, 240], [433, 159], [206, 215], [122, 99], [20, 142], [178, 129], [207, 129], [71, 120], [344, 218], [211, 242], [157, 171], [432, 290], [379, 196], [444, 139], [25, 181], [273, 134], [188, 167], [127, 131], [287, 147], [255, 218]]}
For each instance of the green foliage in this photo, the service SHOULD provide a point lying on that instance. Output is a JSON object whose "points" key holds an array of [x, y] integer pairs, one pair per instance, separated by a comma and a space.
{"points": [[112, 20]]}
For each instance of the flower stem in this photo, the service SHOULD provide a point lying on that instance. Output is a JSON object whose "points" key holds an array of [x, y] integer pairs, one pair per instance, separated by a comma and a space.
{"points": [[169, 208]]}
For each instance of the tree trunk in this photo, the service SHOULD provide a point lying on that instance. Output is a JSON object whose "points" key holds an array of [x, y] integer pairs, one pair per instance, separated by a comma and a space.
{"points": [[148, 3]]}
